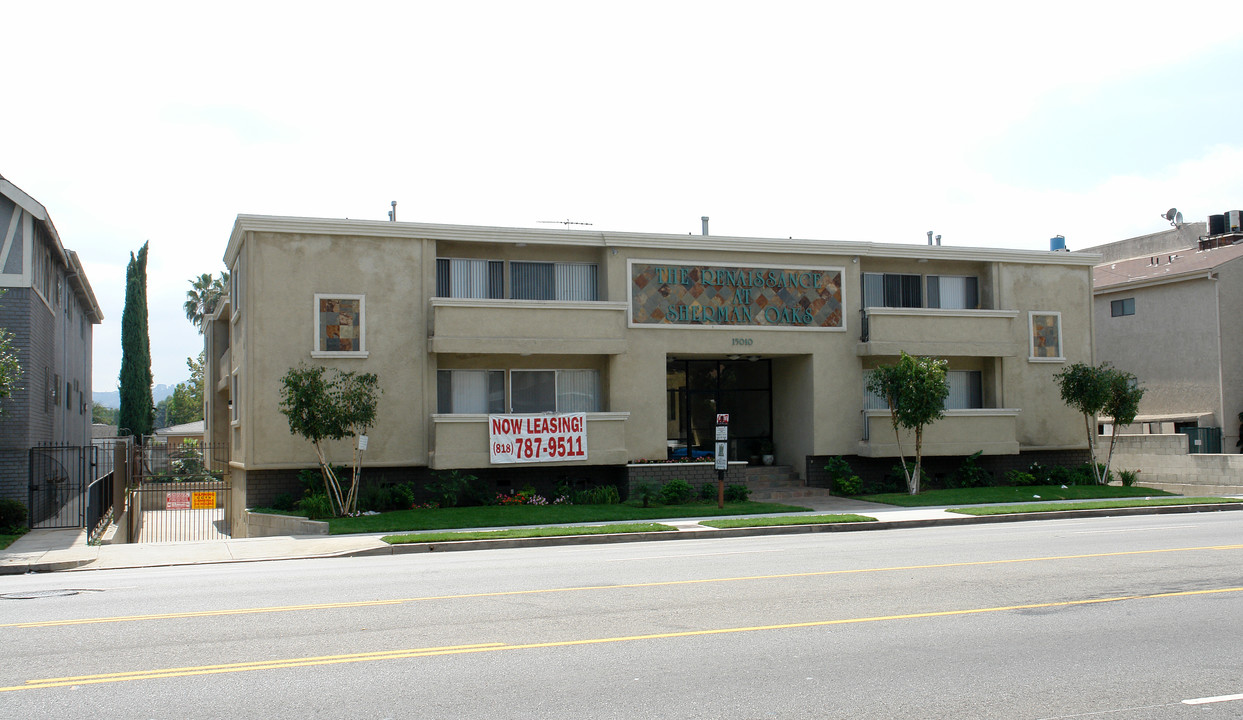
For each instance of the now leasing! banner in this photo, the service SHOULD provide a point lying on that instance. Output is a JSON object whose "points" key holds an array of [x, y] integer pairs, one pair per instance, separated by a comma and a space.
{"points": [[537, 438]]}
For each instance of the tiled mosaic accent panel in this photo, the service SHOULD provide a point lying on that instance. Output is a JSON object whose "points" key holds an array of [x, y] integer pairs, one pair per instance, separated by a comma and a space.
{"points": [[338, 325], [1046, 336], [726, 295]]}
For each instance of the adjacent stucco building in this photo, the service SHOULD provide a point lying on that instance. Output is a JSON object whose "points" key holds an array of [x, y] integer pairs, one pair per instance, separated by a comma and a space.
{"points": [[51, 311], [1164, 310], [649, 335]]}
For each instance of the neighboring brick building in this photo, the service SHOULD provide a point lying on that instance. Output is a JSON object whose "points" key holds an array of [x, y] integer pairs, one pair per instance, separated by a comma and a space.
{"points": [[49, 307]]}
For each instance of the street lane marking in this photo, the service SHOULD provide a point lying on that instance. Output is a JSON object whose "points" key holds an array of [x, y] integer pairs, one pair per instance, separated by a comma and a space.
{"points": [[1126, 530], [1207, 700], [588, 588], [175, 672]]}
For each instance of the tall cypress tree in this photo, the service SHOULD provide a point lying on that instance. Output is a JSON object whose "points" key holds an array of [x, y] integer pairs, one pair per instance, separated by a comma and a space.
{"points": [[137, 412]]}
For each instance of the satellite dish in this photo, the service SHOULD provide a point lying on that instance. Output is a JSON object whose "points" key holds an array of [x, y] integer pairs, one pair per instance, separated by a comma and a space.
{"points": [[1169, 214]]}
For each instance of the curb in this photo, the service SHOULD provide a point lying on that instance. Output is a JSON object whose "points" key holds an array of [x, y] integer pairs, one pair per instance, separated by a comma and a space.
{"points": [[713, 533], [43, 567]]}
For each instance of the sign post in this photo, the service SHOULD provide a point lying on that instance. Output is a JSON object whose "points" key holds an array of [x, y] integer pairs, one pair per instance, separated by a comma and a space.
{"points": [[722, 456]]}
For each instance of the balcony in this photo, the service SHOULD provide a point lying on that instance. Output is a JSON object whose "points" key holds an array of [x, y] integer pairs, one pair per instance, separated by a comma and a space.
{"points": [[936, 332], [960, 432], [224, 368], [461, 441], [528, 327]]}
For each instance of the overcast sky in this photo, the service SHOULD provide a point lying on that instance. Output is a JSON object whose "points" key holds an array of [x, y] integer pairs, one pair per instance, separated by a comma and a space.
{"points": [[992, 124]]}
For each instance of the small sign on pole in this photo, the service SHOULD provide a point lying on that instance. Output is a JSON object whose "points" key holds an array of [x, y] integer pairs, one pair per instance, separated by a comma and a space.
{"points": [[722, 456]]}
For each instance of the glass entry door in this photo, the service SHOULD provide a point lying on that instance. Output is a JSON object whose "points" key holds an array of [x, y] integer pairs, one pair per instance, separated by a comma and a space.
{"points": [[700, 389]]}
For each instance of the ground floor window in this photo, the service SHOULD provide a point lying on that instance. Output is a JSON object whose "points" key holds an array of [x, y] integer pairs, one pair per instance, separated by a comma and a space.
{"points": [[530, 391], [966, 391]]}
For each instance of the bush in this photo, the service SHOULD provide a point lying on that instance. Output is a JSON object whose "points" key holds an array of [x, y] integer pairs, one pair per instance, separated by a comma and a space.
{"points": [[969, 474], [284, 501], [1128, 477], [403, 496], [645, 492], [676, 492], [847, 486], [1059, 475], [736, 493], [12, 515], [1019, 478], [316, 506], [842, 479], [899, 478], [707, 491], [602, 495], [457, 489]]}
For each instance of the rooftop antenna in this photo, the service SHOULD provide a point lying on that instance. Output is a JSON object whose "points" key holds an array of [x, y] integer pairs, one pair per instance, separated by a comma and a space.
{"points": [[566, 223], [1174, 216], [392, 214]]}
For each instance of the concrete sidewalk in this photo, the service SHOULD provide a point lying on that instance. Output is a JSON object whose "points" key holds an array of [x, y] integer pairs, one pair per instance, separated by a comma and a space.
{"points": [[59, 550]]}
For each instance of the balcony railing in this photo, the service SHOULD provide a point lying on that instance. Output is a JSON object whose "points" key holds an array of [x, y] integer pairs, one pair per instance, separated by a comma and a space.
{"points": [[461, 441], [535, 327], [932, 331], [960, 432]]}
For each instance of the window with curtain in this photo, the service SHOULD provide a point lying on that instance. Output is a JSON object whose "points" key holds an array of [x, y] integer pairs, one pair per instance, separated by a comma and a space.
{"points": [[966, 389], [552, 281], [953, 292], [470, 391], [892, 290], [537, 391], [470, 278]]}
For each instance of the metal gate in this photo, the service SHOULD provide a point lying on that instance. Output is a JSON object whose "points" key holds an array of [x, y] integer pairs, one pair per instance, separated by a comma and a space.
{"points": [[181, 494], [59, 475]]}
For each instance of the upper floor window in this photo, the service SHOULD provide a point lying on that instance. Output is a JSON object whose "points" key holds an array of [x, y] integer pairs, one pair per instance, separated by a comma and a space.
{"points": [[892, 290], [953, 292], [552, 281], [470, 278], [340, 325], [1125, 306]]}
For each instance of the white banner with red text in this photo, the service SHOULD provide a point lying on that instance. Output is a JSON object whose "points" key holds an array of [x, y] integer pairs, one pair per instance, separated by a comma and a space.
{"points": [[537, 438]]}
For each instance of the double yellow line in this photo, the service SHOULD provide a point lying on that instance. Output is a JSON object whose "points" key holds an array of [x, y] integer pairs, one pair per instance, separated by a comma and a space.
{"points": [[493, 647], [588, 588]]}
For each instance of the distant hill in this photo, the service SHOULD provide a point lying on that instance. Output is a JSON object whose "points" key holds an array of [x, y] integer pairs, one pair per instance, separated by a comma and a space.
{"points": [[113, 399]]}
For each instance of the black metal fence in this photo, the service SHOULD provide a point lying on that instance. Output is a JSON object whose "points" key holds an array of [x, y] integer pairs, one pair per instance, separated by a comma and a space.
{"points": [[58, 475], [181, 493]]}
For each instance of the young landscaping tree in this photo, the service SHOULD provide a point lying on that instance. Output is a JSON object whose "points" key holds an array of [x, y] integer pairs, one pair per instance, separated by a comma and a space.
{"points": [[1101, 390], [1121, 404], [321, 409], [915, 389], [137, 414]]}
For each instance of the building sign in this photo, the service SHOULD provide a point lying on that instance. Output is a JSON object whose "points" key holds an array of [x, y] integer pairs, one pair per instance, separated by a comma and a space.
{"points": [[204, 500], [537, 438], [807, 298]]}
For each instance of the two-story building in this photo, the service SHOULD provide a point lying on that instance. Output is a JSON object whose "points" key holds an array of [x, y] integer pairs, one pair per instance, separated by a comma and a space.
{"points": [[650, 336], [49, 308]]}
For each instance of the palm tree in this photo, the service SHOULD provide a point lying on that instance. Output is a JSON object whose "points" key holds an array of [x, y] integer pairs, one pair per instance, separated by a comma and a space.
{"points": [[205, 291]]}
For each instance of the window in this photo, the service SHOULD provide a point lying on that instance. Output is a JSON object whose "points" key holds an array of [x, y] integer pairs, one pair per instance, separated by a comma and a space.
{"points": [[467, 278], [966, 389], [1125, 306], [235, 288], [1046, 335], [536, 391], [235, 398], [470, 391], [552, 281], [340, 326], [953, 292], [892, 290]]}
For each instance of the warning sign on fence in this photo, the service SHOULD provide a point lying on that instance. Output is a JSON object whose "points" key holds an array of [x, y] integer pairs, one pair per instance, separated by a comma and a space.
{"points": [[204, 500], [177, 501]]}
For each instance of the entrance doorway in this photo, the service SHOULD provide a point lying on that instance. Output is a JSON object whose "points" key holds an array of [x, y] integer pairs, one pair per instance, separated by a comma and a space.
{"points": [[700, 389]]}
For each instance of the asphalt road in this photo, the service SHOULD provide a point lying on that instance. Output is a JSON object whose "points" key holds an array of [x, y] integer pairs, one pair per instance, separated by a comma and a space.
{"points": [[1135, 617]]}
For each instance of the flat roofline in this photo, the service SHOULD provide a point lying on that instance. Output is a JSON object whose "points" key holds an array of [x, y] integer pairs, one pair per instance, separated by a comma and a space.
{"points": [[600, 238]]}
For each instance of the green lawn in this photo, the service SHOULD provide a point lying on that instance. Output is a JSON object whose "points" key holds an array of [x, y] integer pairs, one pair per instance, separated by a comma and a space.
{"points": [[796, 520], [1091, 505], [530, 532], [7, 539], [514, 515], [975, 496]]}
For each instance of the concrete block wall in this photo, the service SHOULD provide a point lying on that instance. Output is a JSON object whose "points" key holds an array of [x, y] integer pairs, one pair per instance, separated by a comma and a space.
{"points": [[1164, 463], [697, 474]]}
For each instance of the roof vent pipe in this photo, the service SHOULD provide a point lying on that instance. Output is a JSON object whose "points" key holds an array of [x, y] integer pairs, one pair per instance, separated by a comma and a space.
{"points": [[938, 240], [392, 214], [705, 222], [929, 237]]}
